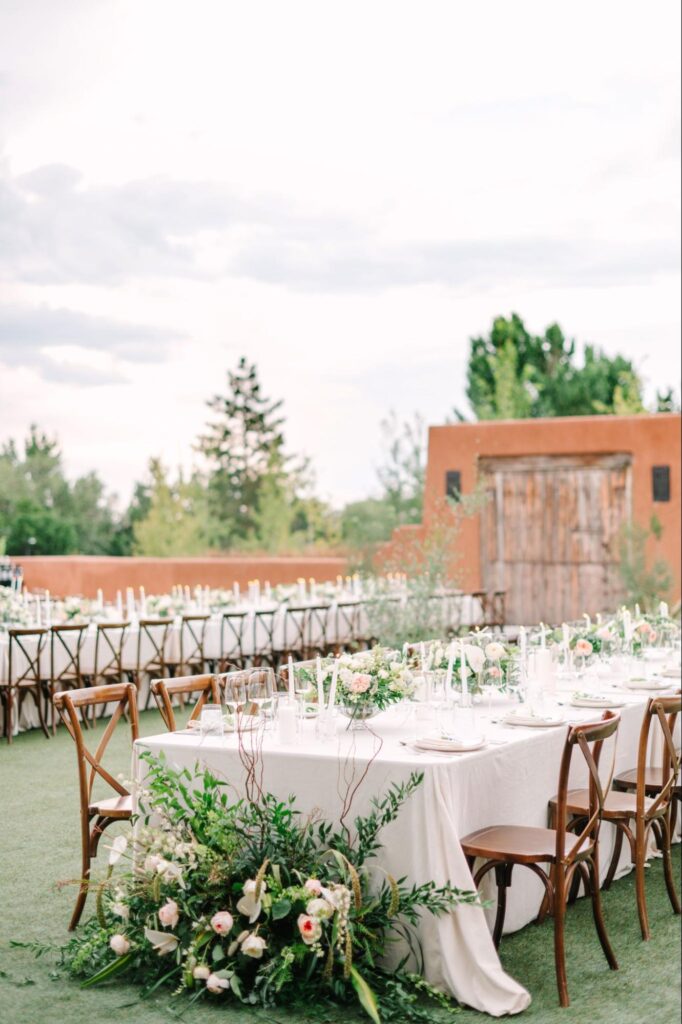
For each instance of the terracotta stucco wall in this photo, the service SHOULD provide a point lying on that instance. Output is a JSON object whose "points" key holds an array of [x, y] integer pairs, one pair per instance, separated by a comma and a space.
{"points": [[650, 440], [84, 574]]}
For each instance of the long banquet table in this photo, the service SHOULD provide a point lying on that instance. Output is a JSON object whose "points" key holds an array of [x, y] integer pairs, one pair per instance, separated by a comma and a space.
{"points": [[509, 781]]}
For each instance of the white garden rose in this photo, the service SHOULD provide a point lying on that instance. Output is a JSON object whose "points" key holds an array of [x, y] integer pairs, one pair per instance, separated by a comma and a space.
{"points": [[216, 984], [494, 651], [201, 972], [222, 922], [168, 914], [119, 944], [253, 946], [322, 910]]}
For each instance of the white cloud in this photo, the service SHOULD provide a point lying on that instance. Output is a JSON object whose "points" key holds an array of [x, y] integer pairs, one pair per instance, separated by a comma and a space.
{"points": [[344, 192]]}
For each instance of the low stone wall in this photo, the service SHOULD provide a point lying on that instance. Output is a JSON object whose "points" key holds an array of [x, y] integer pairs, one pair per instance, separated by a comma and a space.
{"points": [[84, 574]]}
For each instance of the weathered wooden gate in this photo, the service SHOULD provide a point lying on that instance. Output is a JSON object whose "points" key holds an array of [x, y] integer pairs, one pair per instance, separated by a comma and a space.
{"points": [[549, 533]]}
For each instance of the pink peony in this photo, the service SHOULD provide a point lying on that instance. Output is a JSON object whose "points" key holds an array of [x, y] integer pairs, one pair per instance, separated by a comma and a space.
{"points": [[222, 922], [583, 648], [314, 886], [168, 914], [360, 683], [119, 944]]}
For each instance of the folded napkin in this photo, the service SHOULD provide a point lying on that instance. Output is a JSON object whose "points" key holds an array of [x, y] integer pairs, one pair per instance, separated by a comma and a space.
{"points": [[447, 744]]}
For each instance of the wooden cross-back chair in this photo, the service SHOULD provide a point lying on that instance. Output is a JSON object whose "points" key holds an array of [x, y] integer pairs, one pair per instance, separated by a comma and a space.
{"points": [[66, 642], [192, 642], [109, 640], [25, 674], [503, 847], [232, 626], [152, 639], [315, 631], [646, 796], [283, 674], [96, 814], [296, 619], [347, 626], [264, 647], [204, 687]]}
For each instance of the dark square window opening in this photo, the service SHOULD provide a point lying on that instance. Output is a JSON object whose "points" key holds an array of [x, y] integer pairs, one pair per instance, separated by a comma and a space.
{"points": [[453, 484], [660, 478]]}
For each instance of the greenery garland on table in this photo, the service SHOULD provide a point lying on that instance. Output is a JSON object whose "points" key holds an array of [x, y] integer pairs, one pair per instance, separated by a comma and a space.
{"points": [[251, 901]]}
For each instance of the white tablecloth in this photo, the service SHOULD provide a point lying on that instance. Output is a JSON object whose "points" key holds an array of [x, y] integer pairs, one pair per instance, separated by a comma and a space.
{"points": [[510, 781]]}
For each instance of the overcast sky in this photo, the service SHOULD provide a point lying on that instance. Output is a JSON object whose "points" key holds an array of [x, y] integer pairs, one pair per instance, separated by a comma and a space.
{"points": [[343, 191]]}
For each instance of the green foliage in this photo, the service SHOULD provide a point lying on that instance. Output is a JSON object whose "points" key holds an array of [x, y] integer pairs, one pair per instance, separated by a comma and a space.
{"points": [[176, 521], [41, 512], [646, 580], [249, 860], [513, 374]]}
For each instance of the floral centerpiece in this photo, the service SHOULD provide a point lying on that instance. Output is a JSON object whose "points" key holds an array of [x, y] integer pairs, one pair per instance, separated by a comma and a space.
{"points": [[13, 611], [371, 681], [164, 606], [486, 660], [252, 902]]}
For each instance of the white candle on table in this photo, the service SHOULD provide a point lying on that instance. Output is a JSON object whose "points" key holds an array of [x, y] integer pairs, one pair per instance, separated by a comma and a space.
{"points": [[463, 674], [627, 625], [235, 590], [663, 610], [598, 617], [119, 604], [130, 602], [290, 676], [332, 688], [543, 635], [268, 590], [48, 609], [143, 602], [566, 635], [38, 616], [588, 620], [637, 612], [320, 684], [422, 655], [286, 721], [448, 676], [100, 600], [522, 644]]}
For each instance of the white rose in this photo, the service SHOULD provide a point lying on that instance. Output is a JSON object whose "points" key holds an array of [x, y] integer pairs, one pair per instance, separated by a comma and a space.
{"points": [[222, 922], [319, 909], [119, 944], [201, 972], [216, 984], [168, 914], [494, 652], [253, 945]]}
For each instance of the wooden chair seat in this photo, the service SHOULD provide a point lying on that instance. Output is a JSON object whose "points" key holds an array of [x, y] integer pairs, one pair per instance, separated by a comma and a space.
{"points": [[616, 805], [653, 780], [520, 844], [114, 807]]}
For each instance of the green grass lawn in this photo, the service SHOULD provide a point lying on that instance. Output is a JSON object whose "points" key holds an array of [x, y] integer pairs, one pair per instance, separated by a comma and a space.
{"points": [[39, 846]]}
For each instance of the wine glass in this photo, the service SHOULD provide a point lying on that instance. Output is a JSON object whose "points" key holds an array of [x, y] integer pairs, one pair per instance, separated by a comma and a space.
{"points": [[260, 689], [235, 695]]}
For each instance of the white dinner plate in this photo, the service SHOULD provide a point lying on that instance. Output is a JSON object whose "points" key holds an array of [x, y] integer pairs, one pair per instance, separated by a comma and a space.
{"points": [[597, 701], [647, 684], [533, 721], [448, 744]]}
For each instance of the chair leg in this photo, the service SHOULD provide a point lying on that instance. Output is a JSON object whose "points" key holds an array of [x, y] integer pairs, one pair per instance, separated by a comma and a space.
{"points": [[615, 858], [559, 939], [640, 886], [9, 715], [598, 913], [668, 864], [85, 878], [503, 873]]}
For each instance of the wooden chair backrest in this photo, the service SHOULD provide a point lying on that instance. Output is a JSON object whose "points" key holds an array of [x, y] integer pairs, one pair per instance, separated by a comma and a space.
{"points": [[232, 632], [68, 704], [192, 635], [66, 640], [164, 690], [151, 644], [109, 640], [21, 650], [589, 739], [664, 710]]}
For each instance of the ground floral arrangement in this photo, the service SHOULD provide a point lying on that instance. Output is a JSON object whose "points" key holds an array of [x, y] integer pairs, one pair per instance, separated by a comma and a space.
{"points": [[250, 901]]}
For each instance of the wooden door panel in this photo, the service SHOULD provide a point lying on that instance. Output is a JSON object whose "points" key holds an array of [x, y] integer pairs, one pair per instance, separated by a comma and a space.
{"points": [[549, 530]]}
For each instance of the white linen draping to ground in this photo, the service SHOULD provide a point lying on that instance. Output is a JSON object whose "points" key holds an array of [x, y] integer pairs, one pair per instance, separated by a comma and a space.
{"points": [[510, 781]]}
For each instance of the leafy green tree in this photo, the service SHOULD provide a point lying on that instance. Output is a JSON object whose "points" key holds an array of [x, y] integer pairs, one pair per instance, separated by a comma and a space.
{"points": [[41, 512], [177, 520], [245, 451], [38, 531], [513, 374]]}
